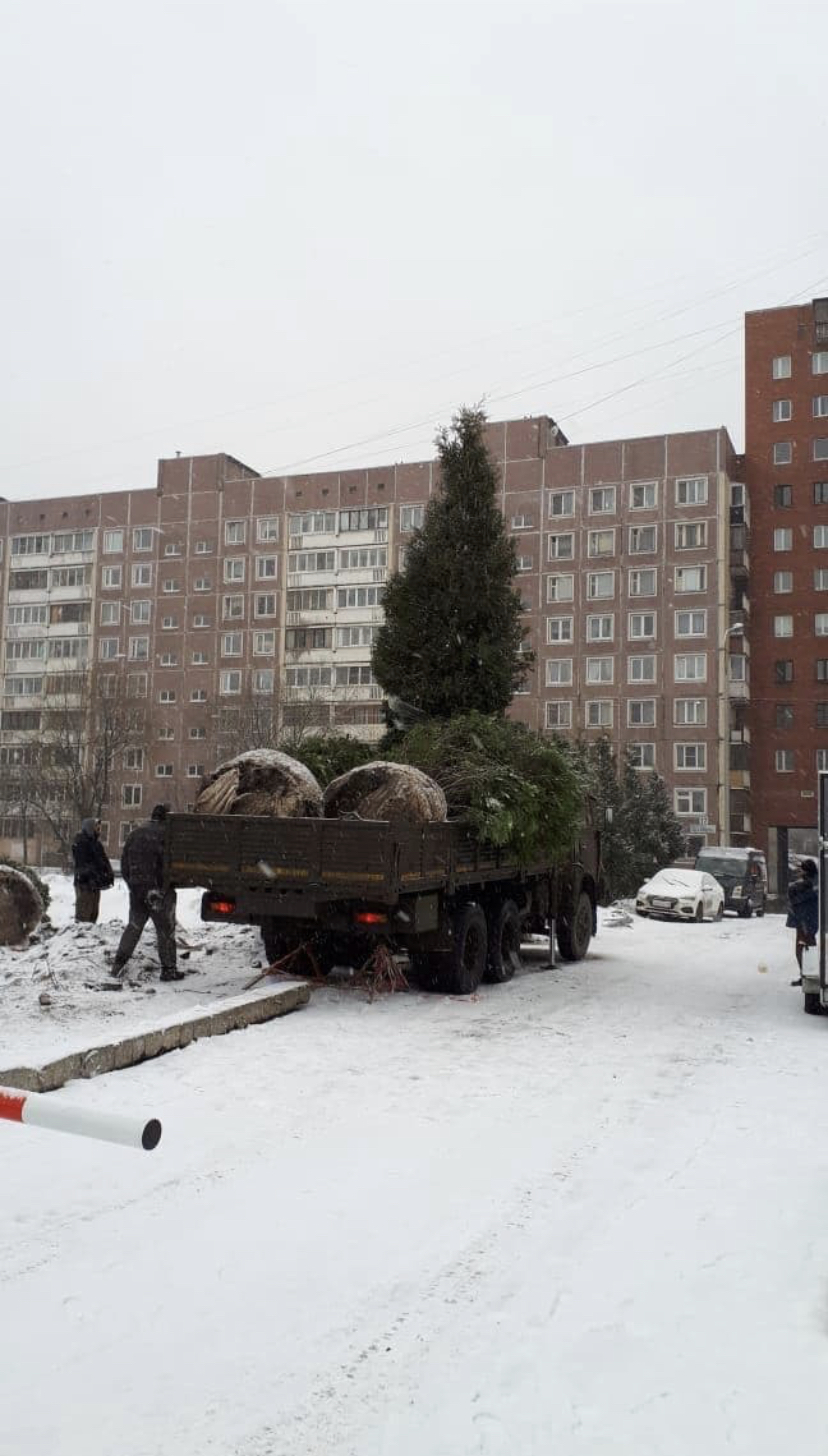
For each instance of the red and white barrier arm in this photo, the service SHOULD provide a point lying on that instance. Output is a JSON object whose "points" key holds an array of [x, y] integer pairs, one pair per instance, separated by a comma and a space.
{"points": [[111, 1127]]}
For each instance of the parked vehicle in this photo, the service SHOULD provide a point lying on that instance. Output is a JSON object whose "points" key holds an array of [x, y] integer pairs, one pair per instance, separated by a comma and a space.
{"points": [[677, 894], [458, 908], [742, 874]]}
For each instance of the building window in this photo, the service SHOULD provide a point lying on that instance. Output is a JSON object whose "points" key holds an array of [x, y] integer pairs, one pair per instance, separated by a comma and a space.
{"points": [[784, 760], [819, 362], [232, 644], [170, 585], [559, 629], [820, 492], [229, 683], [641, 625], [131, 795], [559, 715], [359, 558], [691, 624], [263, 680], [782, 582], [199, 620], [202, 584], [266, 568], [821, 624], [643, 583], [781, 367], [641, 669], [142, 575], [198, 733], [166, 734], [203, 548], [691, 667], [690, 801], [200, 659], [642, 755], [169, 624], [172, 548], [198, 695], [235, 533], [560, 588], [599, 670], [821, 760], [113, 541], [232, 609], [139, 649], [313, 523], [134, 759], [643, 540], [691, 535], [599, 713], [819, 406], [264, 644], [783, 539], [561, 548], [163, 770], [783, 626], [691, 756], [737, 667], [267, 528], [264, 605], [558, 672], [821, 715], [644, 496], [782, 496], [140, 611], [821, 448], [195, 770], [412, 517], [821, 538], [691, 578], [110, 614], [691, 491], [142, 539], [783, 453], [367, 518], [600, 629], [602, 500], [234, 568], [561, 503], [783, 670], [601, 543], [688, 711], [137, 684], [781, 411], [168, 659], [784, 715], [641, 712], [111, 578], [600, 584]]}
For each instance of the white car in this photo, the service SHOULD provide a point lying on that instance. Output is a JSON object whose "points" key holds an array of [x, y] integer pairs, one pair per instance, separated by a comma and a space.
{"points": [[681, 895]]}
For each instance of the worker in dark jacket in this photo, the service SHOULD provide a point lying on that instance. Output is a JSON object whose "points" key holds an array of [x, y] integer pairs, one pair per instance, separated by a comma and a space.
{"points": [[803, 914], [93, 872], [142, 866]]}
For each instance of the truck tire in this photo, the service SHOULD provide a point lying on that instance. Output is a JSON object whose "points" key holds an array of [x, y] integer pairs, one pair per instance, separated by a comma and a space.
{"points": [[575, 932], [746, 910], [503, 957], [276, 944], [458, 972], [812, 1003]]}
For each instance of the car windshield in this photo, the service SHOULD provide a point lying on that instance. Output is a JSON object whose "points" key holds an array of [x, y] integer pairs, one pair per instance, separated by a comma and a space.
{"points": [[722, 865]]}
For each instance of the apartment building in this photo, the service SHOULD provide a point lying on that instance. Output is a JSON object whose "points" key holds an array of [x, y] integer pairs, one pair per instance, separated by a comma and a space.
{"points": [[222, 596], [786, 472]]}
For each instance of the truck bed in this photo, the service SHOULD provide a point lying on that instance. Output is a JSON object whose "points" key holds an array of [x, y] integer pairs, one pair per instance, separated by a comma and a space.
{"points": [[330, 858]]}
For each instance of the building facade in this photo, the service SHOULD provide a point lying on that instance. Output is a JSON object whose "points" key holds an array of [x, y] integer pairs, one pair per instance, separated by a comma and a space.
{"points": [[225, 602], [786, 472]]}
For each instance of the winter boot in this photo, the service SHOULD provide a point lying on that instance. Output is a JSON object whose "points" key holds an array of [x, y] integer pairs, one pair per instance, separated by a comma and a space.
{"points": [[171, 974]]}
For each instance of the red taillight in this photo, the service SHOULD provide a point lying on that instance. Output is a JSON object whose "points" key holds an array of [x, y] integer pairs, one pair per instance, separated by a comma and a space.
{"points": [[370, 917], [222, 907]]}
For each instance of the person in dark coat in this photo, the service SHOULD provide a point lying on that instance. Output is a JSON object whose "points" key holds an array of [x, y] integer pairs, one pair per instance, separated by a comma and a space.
{"points": [[93, 872], [142, 866], [803, 913]]}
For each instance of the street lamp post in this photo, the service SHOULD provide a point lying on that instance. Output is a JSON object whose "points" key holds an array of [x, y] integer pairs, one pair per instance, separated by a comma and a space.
{"points": [[723, 807]]}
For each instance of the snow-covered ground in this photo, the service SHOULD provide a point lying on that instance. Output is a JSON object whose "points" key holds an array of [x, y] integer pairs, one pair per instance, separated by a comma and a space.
{"points": [[578, 1215]]}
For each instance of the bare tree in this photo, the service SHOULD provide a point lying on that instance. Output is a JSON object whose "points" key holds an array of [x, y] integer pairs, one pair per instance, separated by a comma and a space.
{"points": [[88, 720]]}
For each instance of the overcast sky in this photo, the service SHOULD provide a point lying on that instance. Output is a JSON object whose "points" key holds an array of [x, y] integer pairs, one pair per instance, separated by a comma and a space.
{"points": [[304, 231]]}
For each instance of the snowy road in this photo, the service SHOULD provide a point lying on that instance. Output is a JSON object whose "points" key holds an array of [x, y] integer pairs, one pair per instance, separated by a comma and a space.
{"points": [[582, 1215]]}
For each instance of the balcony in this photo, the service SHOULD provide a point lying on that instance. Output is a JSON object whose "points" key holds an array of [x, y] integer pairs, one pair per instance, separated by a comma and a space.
{"points": [[739, 778], [738, 692]]}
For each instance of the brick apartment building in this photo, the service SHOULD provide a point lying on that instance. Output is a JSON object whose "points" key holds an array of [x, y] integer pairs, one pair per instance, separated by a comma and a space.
{"points": [[786, 473], [221, 592]]}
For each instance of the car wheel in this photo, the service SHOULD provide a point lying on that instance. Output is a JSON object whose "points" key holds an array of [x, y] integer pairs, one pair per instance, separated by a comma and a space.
{"points": [[699, 913], [746, 910], [642, 913]]}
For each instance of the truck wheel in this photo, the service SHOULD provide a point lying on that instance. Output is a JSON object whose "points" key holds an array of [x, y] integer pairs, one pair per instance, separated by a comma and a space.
{"points": [[504, 943], [275, 945], [458, 972], [812, 1003], [575, 934], [746, 910]]}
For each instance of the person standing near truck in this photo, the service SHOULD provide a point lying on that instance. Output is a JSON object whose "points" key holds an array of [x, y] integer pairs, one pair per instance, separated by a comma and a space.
{"points": [[93, 872], [142, 866], [803, 914]]}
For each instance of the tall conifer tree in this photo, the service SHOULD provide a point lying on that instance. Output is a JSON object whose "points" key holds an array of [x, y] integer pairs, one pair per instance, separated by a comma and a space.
{"points": [[451, 638]]}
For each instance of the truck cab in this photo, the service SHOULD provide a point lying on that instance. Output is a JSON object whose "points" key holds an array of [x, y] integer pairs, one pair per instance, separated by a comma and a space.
{"points": [[742, 874]]}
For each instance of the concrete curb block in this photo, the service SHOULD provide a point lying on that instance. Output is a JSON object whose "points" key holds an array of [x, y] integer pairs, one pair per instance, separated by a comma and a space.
{"points": [[173, 1035]]}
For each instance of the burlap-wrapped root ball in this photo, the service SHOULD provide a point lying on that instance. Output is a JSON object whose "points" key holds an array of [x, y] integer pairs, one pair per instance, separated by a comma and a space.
{"points": [[262, 781], [385, 791], [21, 907]]}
